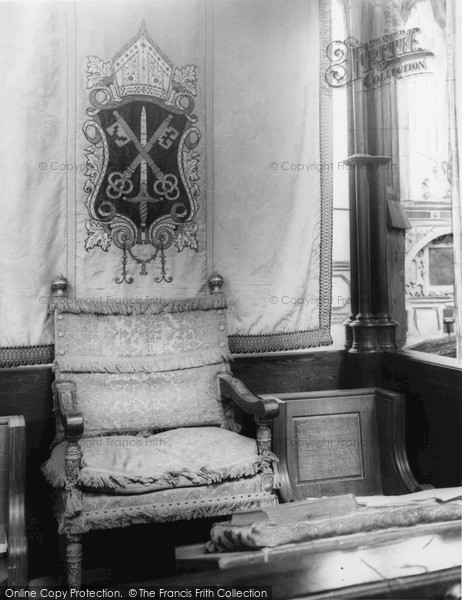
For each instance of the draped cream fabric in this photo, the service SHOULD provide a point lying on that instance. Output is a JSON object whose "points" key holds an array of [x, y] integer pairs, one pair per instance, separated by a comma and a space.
{"points": [[34, 200], [266, 230], [269, 241]]}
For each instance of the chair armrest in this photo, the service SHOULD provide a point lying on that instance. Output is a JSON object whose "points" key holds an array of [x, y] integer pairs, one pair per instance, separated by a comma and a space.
{"points": [[73, 423], [263, 409], [233, 389], [71, 418]]}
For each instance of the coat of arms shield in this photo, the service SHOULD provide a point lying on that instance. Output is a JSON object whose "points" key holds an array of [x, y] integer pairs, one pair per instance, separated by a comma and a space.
{"points": [[142, 167]]}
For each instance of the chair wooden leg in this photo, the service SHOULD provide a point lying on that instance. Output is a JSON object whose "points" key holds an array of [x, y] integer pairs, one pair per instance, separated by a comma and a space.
{"points": [[264, 451], [74, 561], [61, 576]]}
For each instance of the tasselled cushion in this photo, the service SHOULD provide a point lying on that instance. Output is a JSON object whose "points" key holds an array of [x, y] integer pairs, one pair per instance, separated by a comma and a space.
{"points": [[176, 458]]}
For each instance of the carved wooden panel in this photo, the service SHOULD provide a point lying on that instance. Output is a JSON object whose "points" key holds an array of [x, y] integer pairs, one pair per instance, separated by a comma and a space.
{"points": [[329, 447], [338, 442]]}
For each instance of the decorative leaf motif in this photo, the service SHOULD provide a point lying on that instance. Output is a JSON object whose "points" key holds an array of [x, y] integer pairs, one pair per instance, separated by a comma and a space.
{"points": [[97, 70], [185, 79], [98, 235], [192, 160], [92, 168], [195, 190], [185, 235], [93, 163]]}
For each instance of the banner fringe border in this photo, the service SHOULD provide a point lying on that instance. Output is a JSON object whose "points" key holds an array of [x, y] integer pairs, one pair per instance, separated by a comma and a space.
{"points": [[23, 356]]}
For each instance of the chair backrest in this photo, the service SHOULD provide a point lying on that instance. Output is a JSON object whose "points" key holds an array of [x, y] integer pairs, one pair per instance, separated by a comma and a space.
{"points": [[145, 364]]}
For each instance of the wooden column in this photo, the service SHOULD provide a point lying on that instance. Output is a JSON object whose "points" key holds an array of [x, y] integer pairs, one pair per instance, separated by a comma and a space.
{"points": [[381, 138], [365, 351], [372, 329]]}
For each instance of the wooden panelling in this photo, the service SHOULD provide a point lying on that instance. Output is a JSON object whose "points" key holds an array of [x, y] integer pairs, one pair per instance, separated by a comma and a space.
{"points": [[433, 389], [329, 443], [27, 391], [291, 372], [3, 472], [325, 451]]}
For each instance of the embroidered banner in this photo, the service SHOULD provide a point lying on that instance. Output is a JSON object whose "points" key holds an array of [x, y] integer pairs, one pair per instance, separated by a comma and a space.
{"points": [[142, 164], [140, 128], [139, 157]]}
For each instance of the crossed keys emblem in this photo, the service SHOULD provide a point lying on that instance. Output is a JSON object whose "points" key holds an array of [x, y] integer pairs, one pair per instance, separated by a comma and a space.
{"points": [[120, 183]]}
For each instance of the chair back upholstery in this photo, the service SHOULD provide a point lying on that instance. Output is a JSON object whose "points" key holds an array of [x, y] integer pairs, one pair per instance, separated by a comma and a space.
{"points": [[145, 364]]}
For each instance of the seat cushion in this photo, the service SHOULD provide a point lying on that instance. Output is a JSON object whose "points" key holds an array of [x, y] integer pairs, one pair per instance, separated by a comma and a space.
{"points": [[131, 464]]}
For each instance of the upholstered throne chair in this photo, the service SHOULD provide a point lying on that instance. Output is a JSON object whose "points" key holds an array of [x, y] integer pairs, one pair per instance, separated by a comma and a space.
{"points": [[146, 430]]}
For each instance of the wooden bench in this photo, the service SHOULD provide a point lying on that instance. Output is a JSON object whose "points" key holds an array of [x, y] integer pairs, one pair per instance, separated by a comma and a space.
{"points": [[342, 442], [13, 565]]}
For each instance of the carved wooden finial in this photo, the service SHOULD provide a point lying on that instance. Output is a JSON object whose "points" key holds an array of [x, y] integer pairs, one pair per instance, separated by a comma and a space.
{"points": [[215, 283], [59, 287]]}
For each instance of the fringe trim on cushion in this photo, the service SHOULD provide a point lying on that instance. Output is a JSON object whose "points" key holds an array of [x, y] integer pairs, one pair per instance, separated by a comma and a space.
{"points": [[125, 306], [220, 506], [54, 475], [145, 364], [72, 502], [98, 479], [277, 481], [89, 478], [71, 525], [68, 511]]}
